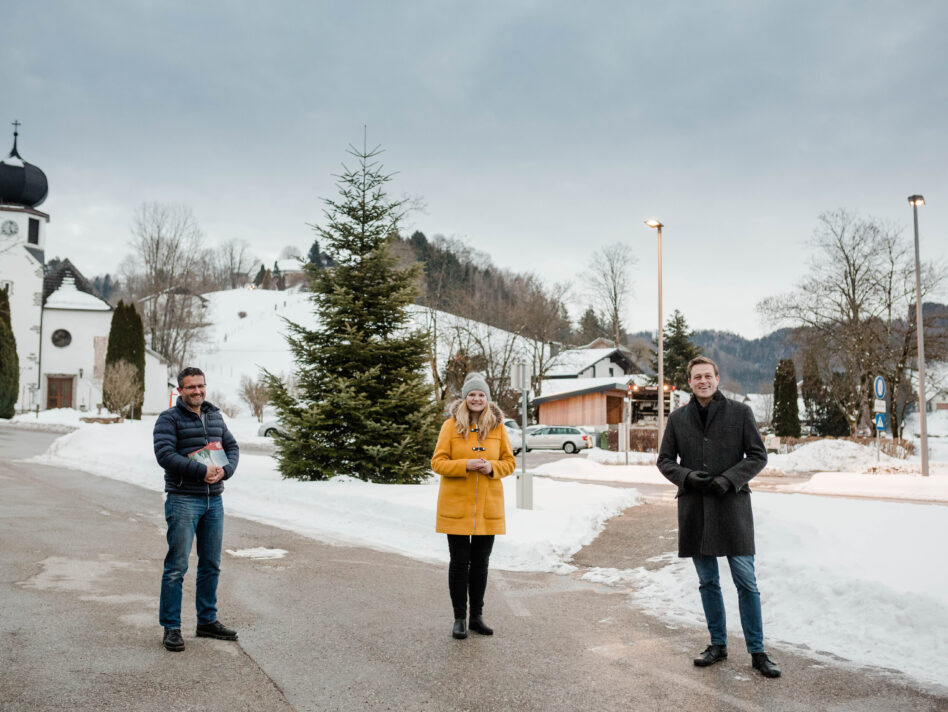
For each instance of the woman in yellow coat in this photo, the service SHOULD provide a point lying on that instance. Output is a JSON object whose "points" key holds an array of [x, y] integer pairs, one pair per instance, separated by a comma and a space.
{"points": [[472, 455]]}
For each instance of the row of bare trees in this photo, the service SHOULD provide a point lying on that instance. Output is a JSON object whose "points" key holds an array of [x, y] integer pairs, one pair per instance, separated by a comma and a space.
{"points": [[855, 311], [167, 270]]}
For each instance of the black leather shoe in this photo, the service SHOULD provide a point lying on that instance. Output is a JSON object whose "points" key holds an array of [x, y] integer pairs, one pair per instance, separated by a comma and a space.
{"points": [[711, 655], [215, 630], [478, 626], [460, 629], [766, 666], [172, 640]]}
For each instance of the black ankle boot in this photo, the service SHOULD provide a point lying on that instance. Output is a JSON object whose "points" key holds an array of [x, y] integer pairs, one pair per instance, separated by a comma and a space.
{"points": [[460, 629], [766, 666], [478, 626], [172, 640], [711, 655]]}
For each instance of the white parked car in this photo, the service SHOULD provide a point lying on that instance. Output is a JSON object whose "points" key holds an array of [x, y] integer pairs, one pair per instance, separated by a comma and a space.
{"points": [[268, 428], [515, 437], [558, 437]]}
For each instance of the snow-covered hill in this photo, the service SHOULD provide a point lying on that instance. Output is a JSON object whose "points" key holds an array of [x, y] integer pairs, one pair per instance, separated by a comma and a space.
{"points": [[248, 333]]}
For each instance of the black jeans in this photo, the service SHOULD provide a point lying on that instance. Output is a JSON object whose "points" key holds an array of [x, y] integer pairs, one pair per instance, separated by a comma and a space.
{"points": [[467, 572]]}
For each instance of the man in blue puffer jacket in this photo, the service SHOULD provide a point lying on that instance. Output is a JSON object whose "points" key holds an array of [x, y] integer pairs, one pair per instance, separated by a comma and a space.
{"points": [[193, 504]]}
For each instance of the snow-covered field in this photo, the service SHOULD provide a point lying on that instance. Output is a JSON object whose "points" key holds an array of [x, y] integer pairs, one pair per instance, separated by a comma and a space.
{"points": [[567, 515], [863, 580]]}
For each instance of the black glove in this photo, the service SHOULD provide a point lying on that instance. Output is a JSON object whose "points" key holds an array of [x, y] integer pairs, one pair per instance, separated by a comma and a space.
{"points": [[697, 481], [718, 486]]}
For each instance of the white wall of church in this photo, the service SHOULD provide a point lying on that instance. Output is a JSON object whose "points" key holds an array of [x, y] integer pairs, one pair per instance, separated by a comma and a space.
{"points": [[79, 356], [24, 274], [157, 390]]}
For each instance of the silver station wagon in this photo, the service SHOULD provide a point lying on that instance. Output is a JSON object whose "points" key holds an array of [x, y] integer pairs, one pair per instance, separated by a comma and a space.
{"points": [[558, 437]]}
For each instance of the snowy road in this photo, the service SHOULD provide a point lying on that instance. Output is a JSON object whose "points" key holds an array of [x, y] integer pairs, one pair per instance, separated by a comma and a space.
{"points": [[338, 628]]}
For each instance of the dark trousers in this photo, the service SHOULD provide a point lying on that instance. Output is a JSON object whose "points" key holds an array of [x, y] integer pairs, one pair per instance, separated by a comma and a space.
{"points": [[467, 572]]}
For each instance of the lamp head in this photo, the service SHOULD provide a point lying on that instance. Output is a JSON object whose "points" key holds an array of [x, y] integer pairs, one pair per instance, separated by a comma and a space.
{"points": [[915, 200], [654, 223]]}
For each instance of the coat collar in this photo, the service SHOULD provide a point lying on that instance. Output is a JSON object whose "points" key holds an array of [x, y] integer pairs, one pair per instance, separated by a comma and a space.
{"points": [[714, 407]]}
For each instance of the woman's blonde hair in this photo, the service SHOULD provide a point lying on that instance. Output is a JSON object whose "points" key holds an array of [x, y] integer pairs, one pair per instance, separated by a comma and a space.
{"points": [[487, 421]]}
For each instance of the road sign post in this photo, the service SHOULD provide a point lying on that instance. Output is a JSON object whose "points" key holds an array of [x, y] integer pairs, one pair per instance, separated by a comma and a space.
{"points": [[521, 379], [878, 389]]}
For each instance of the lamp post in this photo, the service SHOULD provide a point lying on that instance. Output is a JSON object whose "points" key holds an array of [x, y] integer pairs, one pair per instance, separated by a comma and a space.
{"points": [[661, 349], [915, 201]]}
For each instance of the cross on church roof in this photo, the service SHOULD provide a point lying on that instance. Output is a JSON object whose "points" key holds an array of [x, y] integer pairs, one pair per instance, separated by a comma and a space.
{"points": [[16, 125]]}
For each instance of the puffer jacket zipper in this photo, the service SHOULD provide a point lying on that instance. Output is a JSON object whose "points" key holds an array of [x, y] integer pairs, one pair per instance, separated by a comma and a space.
{"points": [[206, 442]]}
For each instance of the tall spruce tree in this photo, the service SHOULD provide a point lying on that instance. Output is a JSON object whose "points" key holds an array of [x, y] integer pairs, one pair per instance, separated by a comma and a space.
{"points": [[812, 388], [590, 327], [786, 420], [362, 406], [126, 343], [9, 361], [314, 256], [679, 350]]}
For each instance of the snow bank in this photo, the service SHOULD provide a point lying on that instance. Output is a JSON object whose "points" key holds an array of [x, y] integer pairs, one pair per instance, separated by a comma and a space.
{"points": [[607, 457], [890, 486], [398, 518], [55, 420], [54, 416], [862, 580], [828, 456]]}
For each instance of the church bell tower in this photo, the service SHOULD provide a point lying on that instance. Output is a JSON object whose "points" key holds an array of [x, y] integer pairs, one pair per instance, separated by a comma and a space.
{"points": [[23, 188]]}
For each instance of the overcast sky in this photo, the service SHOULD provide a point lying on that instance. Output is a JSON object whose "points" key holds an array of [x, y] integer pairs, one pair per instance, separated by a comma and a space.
{"points": [[535, 131]]}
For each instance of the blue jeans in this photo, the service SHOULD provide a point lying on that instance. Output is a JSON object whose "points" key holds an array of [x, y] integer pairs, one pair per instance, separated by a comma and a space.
{"points": [[748, 598], [187, 516]]}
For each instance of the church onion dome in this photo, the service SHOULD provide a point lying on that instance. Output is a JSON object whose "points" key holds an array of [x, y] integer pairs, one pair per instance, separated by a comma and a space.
{"points": [[21, 183]]}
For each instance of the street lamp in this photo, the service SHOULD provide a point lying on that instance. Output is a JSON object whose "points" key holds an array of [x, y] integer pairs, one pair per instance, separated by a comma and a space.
{"points": [[915, 201], [661, 350]]}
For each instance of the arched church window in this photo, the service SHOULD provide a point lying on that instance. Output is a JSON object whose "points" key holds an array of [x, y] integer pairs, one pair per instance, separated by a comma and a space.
{"points": [[61, 338]]}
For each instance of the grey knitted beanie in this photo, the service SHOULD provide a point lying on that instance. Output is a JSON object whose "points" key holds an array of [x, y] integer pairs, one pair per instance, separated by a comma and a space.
{"points": [[474, 381]]}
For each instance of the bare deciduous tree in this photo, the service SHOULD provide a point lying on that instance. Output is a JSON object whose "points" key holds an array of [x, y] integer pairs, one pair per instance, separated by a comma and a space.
{"points": [[121, 388], [609, 284], [857, 309], [255, 394], [164, 274], [540, 317], [233, 262]]}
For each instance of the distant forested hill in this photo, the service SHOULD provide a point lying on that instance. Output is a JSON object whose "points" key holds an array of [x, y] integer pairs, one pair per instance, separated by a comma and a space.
{"points": [[746, 365]]}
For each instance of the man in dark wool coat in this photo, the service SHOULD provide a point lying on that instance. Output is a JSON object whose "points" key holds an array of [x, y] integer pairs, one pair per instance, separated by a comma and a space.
{"points": [[711, 450]]}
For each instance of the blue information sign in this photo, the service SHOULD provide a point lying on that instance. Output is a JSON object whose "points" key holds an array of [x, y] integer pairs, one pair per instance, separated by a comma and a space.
{"points": [[880, 421], [879, 387]]}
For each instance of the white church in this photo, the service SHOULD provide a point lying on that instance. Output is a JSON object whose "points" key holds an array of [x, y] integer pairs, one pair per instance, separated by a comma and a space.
{"points": [[61, 326]]}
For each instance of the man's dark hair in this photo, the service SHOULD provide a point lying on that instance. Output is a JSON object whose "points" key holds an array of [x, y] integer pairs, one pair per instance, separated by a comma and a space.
{"points": [[189, 371], [699, 361]]}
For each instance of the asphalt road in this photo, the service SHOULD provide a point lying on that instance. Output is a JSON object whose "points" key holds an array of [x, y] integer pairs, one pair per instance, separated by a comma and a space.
{"points": [[344, 628]]}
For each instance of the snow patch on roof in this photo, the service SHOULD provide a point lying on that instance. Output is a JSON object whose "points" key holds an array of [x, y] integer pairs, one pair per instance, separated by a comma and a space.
{"points": [[574, 361], [68, 296]]}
